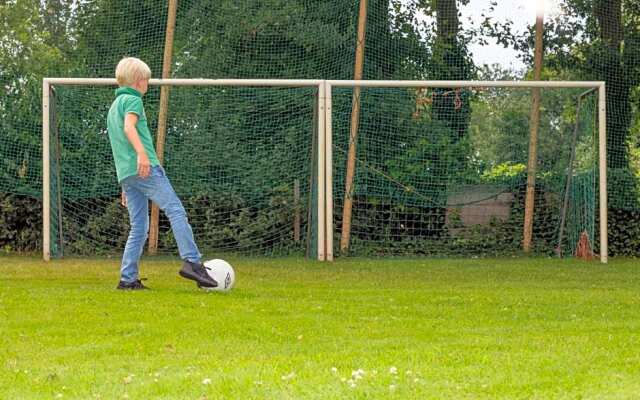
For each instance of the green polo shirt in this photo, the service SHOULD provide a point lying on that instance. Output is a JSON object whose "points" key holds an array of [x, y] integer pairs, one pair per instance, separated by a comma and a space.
{"points": [[128, 100]]}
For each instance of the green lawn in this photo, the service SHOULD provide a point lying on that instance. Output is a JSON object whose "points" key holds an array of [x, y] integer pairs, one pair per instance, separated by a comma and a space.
{"points": [[294, 329]]}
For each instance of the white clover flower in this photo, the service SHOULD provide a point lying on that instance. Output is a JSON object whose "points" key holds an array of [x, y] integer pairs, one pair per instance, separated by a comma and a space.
{"points": [[357, 374], [392, 387], [288, 376], [206, 381], [393, 370], [334, 370]]}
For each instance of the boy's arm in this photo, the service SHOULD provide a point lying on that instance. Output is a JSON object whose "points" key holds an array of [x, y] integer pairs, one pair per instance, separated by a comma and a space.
{"points": [[144, 165]]}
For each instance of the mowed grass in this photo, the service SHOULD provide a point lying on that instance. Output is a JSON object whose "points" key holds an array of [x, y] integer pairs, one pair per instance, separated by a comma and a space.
{"points": [[296, 329]]}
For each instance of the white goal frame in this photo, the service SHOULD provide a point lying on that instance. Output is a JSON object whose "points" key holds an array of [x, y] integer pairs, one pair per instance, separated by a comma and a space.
{"points": [[48, 83], [324, 132]]}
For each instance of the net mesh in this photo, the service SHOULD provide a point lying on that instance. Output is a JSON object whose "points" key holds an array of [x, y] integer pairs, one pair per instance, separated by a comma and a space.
{"points": [[421, 187], [405, 39], [240, 159]]}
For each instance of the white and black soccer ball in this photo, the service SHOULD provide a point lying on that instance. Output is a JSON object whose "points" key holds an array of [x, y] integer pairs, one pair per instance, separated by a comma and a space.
{"points": [[222, 272]]}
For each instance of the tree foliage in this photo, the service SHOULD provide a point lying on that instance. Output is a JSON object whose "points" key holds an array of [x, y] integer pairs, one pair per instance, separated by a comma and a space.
{"points": [[456, 133]]}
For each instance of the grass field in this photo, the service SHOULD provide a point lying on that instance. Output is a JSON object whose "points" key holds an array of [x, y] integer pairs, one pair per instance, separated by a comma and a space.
{"points": [[294, 329]]}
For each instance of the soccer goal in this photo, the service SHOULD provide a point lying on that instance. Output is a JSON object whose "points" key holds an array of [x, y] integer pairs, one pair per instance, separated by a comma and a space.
{"points": [[363, 168], [447, 169], [241, 154]]}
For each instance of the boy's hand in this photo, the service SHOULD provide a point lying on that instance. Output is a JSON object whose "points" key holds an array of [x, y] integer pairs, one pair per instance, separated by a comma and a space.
{"points": [[144, 165], [123, 199]]}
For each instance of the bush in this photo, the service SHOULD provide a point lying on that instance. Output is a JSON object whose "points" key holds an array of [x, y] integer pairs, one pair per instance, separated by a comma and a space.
{"points": [[20, 223]]}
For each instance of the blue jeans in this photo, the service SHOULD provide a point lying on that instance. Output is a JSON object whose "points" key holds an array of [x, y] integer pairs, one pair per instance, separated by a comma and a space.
{"points": [[158, 189]]}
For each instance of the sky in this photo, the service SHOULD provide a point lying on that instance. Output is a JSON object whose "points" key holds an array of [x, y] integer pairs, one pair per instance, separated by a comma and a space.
{"points": [[521, 12]]}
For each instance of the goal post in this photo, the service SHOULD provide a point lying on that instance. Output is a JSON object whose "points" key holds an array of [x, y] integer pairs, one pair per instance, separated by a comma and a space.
{"points": [[46, 172], [251, 213], [602, 164], [393, 212]]}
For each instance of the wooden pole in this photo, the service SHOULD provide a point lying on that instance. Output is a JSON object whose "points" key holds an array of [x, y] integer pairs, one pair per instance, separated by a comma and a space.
{"points": [[533, 139], [353, 133], [162, 117]]}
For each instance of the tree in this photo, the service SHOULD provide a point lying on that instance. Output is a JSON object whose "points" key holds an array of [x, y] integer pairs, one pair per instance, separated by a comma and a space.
{"points": [[593, 40], [450, 61], [609, 64]]}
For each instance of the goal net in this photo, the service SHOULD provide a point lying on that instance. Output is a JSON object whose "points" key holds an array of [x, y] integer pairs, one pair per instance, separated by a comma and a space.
{"points": [[240, 156], [363, 168], [434, 169]]}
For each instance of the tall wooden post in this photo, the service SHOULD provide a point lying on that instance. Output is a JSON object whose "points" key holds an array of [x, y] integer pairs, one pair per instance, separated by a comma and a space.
{"points": [[533, 138], [162, 117], [353, 133]]}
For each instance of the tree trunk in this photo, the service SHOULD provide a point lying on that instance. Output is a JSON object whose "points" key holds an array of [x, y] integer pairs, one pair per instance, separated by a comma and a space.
{"points": [[447, 20], [450, 106], [450, 63], [611, 69]]}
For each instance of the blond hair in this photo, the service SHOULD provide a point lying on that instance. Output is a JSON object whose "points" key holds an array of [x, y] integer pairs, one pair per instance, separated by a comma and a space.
{"points": [[131, 70]]}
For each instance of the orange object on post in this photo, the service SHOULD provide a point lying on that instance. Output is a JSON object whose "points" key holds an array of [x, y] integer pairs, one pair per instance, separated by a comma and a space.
{"points": [[583, 249]]}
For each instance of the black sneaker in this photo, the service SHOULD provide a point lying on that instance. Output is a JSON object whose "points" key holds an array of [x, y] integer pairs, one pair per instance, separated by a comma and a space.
{"points": [[196, 272], [135, 285]]}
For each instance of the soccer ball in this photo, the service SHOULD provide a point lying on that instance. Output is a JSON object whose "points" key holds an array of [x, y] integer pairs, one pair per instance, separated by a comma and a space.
{"points": [[222, 272]]}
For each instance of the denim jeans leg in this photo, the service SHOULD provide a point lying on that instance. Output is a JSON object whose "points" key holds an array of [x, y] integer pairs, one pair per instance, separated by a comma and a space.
{"points": [[138, 207], [159, 190], [167, 200]]}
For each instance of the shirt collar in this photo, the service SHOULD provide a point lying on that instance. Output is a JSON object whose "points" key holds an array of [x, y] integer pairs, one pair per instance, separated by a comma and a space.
{"points": [[128, 90]]}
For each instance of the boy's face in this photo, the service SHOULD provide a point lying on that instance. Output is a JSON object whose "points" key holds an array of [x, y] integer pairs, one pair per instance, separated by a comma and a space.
{"points": [[142, 86]]}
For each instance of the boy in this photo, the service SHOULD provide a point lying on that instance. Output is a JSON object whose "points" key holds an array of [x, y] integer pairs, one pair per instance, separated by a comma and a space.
{"points": [[143, 179]]}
